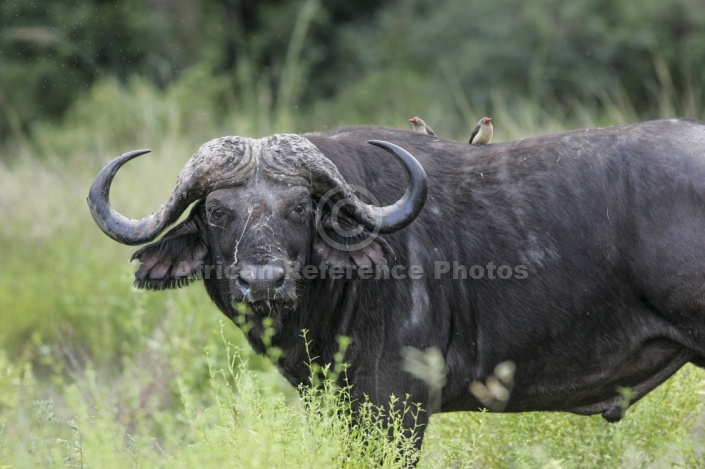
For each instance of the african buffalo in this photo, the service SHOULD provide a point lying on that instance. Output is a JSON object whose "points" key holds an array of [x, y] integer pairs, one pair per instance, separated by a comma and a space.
{"points": [[579, 256]]}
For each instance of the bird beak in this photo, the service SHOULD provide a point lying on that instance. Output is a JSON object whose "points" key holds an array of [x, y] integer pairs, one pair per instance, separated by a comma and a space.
{"points": [[489, 119], [412, 120]]}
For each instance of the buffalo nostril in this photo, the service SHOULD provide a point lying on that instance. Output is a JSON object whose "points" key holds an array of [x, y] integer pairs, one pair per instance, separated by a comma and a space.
{"points": [[242, 283], [276, 274]]}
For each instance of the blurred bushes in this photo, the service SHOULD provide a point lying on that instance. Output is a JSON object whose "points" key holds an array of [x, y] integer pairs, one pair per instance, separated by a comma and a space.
{"points": [[550, 51], [51, 53], [276, 57]]}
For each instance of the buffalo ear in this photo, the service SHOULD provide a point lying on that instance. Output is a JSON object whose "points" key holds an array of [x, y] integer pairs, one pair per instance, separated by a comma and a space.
{"points": [[374, 250], [174, 261]]}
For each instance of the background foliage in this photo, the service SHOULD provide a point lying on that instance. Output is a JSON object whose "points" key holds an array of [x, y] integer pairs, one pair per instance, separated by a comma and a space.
{"points": [[93, 372], [283, 58]]}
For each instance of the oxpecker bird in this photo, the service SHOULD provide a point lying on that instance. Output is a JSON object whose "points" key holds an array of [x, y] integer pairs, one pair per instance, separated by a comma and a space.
{"points": [[420, 126], [482, 133]]}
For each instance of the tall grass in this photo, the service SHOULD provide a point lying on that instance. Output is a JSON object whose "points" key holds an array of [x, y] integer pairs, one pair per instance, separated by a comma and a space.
{"points": [[95, 373], [237, 420]]}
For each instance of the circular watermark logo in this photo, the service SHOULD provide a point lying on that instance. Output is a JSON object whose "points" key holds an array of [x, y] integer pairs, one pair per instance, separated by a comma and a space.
{"points": [[353, 238]]}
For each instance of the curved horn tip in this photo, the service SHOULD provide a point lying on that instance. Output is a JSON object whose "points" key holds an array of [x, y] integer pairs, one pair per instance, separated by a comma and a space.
{"points": [[383, 144], [404, 211], [134, 153], [112, 223]]}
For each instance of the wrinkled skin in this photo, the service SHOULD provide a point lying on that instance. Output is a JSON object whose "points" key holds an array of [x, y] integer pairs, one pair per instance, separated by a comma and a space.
{"points": [[260, 242], [608, 224]]}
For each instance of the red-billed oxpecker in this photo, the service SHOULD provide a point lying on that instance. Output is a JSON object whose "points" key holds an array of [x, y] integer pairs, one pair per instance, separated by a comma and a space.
{"points": [[420, 126], [482, 133]]}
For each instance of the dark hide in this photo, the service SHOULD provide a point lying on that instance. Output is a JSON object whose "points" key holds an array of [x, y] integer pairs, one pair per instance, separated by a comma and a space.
{"points": [[602, 232]]}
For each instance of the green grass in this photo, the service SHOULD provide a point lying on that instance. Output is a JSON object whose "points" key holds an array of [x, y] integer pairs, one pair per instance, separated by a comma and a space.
{"points": [[94, 373], [152, 415]]}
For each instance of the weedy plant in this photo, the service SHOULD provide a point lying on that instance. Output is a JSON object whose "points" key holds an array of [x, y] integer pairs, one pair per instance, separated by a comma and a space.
{"points": [[237, 421]]}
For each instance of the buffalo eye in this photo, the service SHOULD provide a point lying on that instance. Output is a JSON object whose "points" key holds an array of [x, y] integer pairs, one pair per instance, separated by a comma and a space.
{"points": [[299, 211], [217, 214]]}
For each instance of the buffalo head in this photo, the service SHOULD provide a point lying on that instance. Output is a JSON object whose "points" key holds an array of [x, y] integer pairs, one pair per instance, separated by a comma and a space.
{"points": [[262, 207]]}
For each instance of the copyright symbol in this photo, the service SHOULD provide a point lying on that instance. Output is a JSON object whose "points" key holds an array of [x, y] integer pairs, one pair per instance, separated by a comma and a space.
{"points": [[337, 222]]}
